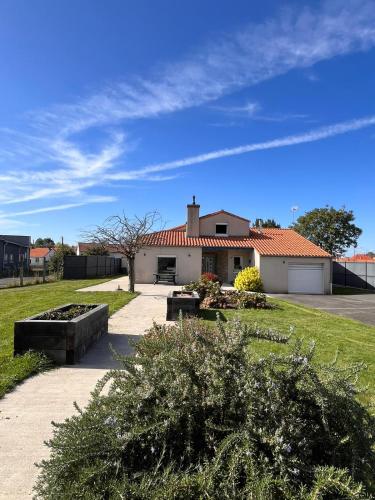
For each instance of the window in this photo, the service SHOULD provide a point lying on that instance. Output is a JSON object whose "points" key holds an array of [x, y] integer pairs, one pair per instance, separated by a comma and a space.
{"points": [[237, 264], [11, 257], [36, 259], [5, 257], [166, 264], [222, 229]]}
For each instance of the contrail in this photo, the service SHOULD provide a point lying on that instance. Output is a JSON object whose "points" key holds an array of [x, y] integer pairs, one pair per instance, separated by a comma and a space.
{"points": [[290, 140]]}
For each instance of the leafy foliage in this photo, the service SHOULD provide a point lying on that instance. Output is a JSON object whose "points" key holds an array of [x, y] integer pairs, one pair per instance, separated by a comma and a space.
{"points": [[246, 300], [44, 242], [213, 297], [249, 280], [195, 414], [96, 249], [66, 314], [266, 223], [331, 229], [210, 277], [204, 287], [56, 263]]}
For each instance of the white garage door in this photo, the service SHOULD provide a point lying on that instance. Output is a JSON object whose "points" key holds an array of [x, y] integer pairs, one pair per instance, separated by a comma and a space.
{"points": [[305, 278]]}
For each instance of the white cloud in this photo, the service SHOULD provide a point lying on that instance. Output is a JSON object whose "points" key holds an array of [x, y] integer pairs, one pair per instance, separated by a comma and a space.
{"points": [[51, 160], [257, 52], [248, 109], [291, 140], [53, 208], [253, 111]]}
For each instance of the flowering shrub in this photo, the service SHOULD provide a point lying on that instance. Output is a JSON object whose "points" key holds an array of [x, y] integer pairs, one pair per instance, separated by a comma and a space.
{"points": [[249, 280], [212, 296], [210, 277], [196, 414], [204, 288]]}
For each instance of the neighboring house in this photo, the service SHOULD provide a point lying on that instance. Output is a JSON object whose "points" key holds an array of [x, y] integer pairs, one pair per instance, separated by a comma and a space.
{"points": [[14, 252], [112, 252], [224, 243], [39, 256], [359, 257]]}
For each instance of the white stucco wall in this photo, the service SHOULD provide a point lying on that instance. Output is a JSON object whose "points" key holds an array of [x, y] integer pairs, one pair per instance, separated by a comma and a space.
{"points": [[274, 271], [188, 263], [236, 226]]}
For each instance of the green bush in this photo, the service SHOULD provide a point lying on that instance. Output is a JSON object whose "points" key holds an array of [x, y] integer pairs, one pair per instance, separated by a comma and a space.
{"points": [[246, 300], [56, 264], [249, 280], [196, 415], [204, 287]]}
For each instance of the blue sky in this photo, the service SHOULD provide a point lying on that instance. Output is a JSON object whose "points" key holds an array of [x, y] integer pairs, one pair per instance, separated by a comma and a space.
{"points": [[138, 105]]}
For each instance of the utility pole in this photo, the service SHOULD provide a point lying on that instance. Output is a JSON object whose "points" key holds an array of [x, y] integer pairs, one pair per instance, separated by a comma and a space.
{"points": [[21, 270]]}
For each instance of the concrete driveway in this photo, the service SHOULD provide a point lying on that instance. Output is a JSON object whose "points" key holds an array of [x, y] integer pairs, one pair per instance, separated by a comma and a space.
{"points": [[360, 307]]}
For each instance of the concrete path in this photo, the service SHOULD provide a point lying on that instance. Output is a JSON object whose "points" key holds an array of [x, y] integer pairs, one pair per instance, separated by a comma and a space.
{"points": [[360, 307], [27, 412]]}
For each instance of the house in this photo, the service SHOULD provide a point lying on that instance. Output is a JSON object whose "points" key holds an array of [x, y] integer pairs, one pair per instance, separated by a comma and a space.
{"points": [[359, 257], [39, 257], [224, 243], [14, 253], [82, 248]]}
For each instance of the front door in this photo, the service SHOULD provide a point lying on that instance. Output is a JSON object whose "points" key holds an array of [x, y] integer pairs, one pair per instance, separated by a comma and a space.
{"points": [[237, 266], [209, 264]]}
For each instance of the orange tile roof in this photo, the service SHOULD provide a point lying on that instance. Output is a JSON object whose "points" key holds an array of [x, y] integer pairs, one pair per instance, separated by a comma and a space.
{"points": [[360, 257], [39, 252], [272, 242]]}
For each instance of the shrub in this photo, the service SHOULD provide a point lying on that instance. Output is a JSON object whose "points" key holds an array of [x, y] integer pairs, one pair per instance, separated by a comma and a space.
{"points": [[249, 280], [195, 414], [204, 288], [210, 277], [56, 264], [246, 300], [211, 296]]}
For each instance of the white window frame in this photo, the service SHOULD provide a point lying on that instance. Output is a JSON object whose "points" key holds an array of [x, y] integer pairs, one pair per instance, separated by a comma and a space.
{"points": [[168, 257], [221, 224]]}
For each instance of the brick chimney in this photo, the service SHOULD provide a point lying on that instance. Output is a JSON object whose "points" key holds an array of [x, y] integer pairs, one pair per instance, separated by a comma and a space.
{"points": [[192, 225]]}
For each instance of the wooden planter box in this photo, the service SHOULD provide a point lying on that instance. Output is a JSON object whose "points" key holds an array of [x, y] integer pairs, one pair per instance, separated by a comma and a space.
{"points": [[187, 302], [64, 341]]}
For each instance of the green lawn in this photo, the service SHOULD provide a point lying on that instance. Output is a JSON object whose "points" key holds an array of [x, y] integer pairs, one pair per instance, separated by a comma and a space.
{"points": [[355, 341], [19, 303]]}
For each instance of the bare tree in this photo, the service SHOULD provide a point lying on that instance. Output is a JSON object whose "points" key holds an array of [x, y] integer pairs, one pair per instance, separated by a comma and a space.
{"points": [[126, 235]]}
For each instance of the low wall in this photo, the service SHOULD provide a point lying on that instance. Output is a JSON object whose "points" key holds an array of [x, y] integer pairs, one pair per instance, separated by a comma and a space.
{"points": [[65, 342]]}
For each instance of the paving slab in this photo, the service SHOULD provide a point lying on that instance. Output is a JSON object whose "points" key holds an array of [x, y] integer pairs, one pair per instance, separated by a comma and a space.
{"points": [[360, 307], [27, 412]]}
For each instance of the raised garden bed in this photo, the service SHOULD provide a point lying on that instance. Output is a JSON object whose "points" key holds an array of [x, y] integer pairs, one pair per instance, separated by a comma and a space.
{"points": [[185, 301], [64, 333]]}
